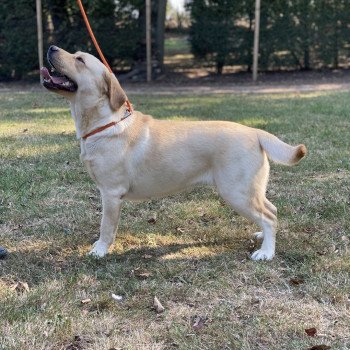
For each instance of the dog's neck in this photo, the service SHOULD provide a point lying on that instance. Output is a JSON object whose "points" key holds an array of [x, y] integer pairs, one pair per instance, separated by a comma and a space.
{"points": [[93, 113]]}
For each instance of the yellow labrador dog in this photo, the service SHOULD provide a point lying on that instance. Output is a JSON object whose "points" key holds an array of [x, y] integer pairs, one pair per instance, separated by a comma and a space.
{"points": [[132, 156]]}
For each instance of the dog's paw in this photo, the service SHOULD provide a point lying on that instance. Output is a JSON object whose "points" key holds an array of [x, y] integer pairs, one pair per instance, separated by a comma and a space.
{"points": [[259, 235], [99, 249], [262, 254]]}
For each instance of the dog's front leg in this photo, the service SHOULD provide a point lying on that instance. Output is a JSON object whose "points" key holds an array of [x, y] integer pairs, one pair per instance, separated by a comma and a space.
{"points": [[111, 204]]}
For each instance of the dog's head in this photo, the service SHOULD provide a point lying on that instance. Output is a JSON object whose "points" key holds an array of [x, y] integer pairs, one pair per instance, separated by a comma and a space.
{"points": [[81, 76]]}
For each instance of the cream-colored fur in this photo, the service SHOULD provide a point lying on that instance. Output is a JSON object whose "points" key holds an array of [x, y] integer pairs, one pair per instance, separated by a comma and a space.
{"points": [[142, 158]]}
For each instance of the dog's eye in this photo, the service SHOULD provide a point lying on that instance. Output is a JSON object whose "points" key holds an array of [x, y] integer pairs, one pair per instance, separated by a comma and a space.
{"points": [[80, 59]]}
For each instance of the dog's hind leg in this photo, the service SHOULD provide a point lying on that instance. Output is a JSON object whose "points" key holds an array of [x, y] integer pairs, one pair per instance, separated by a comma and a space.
{"points": [[268, 222], [245, 193], [269, 206], [256, 211]]}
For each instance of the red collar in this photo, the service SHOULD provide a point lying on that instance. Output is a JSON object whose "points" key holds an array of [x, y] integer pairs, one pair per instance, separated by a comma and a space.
{"points": [[128, 113]]}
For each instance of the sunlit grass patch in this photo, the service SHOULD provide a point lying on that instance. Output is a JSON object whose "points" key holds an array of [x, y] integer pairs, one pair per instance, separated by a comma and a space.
{"points": [[193, 255]]}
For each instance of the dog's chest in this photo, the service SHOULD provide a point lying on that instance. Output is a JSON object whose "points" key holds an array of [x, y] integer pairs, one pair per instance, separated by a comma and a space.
{"points": [[88, 158], [95, 160], [103, 164]]}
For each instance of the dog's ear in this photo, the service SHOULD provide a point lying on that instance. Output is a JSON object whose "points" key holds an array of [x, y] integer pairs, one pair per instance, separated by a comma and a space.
{"points": [[116, 94]]}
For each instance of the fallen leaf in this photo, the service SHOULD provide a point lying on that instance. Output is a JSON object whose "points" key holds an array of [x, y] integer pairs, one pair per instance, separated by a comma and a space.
{"points": [[320, 347], [20, 287], [180, 229], [296, 281], [78, 343], [85, 301], [198, 322], [152, 218], [311, 332], [158, 306], [117, 297], [142, 274], [256, 301]]}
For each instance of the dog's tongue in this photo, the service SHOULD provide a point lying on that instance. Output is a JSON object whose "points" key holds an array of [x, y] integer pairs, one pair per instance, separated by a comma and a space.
{"points": [[46, 75]]}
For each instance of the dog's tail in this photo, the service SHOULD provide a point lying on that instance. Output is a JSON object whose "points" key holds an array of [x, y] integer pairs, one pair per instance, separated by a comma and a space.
{"points": [[279, 151]]}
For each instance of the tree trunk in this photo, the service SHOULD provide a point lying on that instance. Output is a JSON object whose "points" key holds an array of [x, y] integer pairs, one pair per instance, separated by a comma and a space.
{"points": [[58, 12], [306, 58], [336, 36], [336, 50], [306, 28], [161, 10], [219, 66]]}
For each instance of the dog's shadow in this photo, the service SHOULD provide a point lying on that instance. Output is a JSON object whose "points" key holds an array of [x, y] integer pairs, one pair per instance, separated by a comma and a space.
{"points": [[42, 266]]}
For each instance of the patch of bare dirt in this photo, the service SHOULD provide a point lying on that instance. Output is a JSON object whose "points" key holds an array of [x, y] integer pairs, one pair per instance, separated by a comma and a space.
{"points": [[205, 81]]}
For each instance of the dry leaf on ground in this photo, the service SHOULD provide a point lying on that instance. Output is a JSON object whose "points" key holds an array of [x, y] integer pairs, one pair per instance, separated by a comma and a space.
{"points": [[311, 332], [20, 287], [152, 218], [85, 301], [198, 322], [142, 274], [296, 281], [78, 343]]}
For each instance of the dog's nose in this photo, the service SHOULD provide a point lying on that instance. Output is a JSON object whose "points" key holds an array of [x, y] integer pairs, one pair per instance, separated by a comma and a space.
{"points": [[53, 48]]}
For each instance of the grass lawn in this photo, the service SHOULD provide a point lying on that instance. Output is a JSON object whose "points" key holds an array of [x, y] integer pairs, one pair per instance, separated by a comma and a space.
{"points": [[194, 256]]}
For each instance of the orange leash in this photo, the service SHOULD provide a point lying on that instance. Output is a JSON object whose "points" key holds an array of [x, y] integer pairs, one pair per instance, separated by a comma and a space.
{"points": [[92, 36]]}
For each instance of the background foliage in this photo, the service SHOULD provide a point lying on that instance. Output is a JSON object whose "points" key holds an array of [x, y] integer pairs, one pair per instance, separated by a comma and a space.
{"points": [[118, 27], [298, 34]]}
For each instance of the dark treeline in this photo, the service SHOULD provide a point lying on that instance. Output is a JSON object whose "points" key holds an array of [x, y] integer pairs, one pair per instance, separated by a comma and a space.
{"points": [[119, 27], [295, 34]]}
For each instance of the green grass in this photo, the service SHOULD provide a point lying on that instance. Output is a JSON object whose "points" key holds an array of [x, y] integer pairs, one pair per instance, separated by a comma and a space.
{"points": [[176, 45], [195, 254]]}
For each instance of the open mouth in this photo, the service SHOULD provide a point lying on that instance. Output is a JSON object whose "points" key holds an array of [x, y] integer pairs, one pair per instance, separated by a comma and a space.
{"points": [[57, 81]]}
